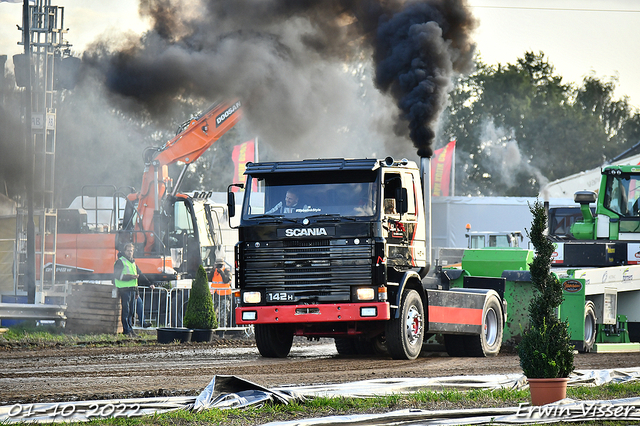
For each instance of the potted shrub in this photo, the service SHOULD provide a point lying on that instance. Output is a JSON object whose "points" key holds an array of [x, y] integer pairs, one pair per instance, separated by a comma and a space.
{"points": [[174, 334], [545, 351], [200, 315]]}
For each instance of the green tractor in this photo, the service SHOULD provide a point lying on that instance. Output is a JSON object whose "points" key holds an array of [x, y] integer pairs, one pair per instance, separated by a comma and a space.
{"points": [[617, 215]]}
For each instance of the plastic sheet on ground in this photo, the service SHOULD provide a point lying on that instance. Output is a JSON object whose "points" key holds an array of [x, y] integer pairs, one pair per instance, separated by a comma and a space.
{"points": [[233, 392], [222, 392], [379, 387], [627, 410]]}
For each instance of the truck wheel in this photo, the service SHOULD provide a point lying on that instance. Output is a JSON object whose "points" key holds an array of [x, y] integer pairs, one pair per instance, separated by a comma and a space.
{"points": [[405, 334], [589, 326], [273, 340], [379, 344], [373, 346], [454, 343], [489, 341], [346, 345]]}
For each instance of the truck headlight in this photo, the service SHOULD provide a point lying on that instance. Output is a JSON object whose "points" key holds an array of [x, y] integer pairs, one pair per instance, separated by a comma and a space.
{"points": [[251, 297], [365, 293]]}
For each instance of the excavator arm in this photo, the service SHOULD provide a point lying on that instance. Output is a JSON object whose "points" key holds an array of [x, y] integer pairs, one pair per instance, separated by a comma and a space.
{"points": [[199, 134], [192, 140]]}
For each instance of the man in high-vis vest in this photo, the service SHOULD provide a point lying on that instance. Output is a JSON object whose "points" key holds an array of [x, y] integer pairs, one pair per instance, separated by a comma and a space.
{"points": [[125, 277], [222, 274]]}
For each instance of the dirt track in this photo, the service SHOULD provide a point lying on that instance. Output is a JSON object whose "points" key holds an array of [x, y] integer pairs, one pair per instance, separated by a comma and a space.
{"points": [[82, 373]]}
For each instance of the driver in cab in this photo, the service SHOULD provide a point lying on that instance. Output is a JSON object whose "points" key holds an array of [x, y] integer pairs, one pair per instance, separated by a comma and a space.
{"points": [[288, 206]]}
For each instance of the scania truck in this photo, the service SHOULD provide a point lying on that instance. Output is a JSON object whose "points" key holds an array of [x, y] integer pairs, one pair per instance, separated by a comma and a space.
{"points": [[340, 248]]}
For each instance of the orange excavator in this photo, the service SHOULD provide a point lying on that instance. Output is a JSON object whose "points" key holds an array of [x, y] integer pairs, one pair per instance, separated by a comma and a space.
{"points": [[173, 235]]}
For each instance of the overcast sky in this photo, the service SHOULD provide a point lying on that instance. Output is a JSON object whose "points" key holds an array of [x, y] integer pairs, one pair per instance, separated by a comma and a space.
{"points": [[578, 36]]}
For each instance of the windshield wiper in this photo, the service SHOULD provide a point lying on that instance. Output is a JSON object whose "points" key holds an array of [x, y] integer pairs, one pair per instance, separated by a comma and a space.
{"points": [[329, 217], [276, 218]]}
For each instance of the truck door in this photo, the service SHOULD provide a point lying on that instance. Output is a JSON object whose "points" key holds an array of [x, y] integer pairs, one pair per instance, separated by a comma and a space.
{"points": [[401, 228]]}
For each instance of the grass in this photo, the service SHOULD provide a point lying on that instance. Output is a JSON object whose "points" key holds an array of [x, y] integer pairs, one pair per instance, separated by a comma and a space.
{"points": [[28, 334], [323, 407]]}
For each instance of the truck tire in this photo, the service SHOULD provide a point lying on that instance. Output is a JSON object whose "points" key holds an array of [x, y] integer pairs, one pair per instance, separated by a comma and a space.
{"points": [[590, 327], [373, 346], [489, 341], [454, 344], [405, 334], [346, 345], [273, 340]]}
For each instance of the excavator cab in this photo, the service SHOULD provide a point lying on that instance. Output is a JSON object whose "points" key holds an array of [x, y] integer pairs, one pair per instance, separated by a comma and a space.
{"points": [[181, 236], [176, 234]]}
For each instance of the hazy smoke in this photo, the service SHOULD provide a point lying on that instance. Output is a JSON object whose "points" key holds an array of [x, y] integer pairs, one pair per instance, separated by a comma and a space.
{"points": [[13, 165], [502, 157], [292, 63]]}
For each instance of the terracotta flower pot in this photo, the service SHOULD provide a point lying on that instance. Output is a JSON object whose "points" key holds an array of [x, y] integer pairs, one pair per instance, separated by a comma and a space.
{"points": [[546, 391]]}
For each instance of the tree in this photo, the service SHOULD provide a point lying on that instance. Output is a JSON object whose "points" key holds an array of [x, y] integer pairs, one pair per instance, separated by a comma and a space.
{"points": [[545, 350], [517, 126]]}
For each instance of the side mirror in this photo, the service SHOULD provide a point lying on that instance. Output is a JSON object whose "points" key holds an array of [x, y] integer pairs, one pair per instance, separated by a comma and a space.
{"points": [[231, 203], [231, 199], [402, 205]]}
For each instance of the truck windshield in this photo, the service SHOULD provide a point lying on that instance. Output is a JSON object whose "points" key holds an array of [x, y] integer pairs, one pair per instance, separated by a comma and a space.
{"points": [[295, 195]]}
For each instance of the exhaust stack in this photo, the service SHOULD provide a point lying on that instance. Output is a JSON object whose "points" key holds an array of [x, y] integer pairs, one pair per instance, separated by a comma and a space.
{"points": [[425, 174]]}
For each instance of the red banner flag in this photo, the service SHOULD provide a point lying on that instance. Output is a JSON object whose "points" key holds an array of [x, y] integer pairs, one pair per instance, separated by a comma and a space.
{"points": [[442, 163], [242, 154]]}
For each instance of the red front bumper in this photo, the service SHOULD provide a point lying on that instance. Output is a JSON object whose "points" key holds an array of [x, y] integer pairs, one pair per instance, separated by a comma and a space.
{"points": [[340, 312]]}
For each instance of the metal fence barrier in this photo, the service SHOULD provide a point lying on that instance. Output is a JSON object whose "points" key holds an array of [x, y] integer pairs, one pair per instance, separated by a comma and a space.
{"points": [[151, 308], [162, 307]]}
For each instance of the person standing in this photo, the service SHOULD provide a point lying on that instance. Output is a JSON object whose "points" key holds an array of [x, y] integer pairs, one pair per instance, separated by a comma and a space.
{"points": [[126, 274], [222, 274]]}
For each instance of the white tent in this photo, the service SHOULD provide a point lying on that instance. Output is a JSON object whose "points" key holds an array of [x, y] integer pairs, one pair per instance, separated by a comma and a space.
{"points": [[584, 181]]}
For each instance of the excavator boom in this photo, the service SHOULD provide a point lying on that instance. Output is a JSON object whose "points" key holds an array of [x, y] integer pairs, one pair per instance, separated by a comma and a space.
{"points": [[187, 146], [199, 134]]}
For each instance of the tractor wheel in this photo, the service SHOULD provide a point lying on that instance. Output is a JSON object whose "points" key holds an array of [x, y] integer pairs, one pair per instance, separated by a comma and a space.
{"points": [[274, 340], [405, 334], [489, 341], [590, 327]]}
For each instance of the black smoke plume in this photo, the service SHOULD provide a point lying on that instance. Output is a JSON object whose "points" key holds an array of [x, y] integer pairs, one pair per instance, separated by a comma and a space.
{"points": [[280, 56], [416, 52]]}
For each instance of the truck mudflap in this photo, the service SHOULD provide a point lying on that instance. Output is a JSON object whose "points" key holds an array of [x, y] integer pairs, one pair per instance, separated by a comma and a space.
{"points": [[289, 314], [458, 310]]}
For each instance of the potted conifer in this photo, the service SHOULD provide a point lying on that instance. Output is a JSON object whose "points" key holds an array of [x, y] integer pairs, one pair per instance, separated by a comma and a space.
{"points": [[200, 315], [546, 353]]}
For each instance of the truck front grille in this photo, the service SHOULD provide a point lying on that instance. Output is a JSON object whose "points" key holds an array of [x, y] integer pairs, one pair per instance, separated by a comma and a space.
{"points": [[313, 270]]}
